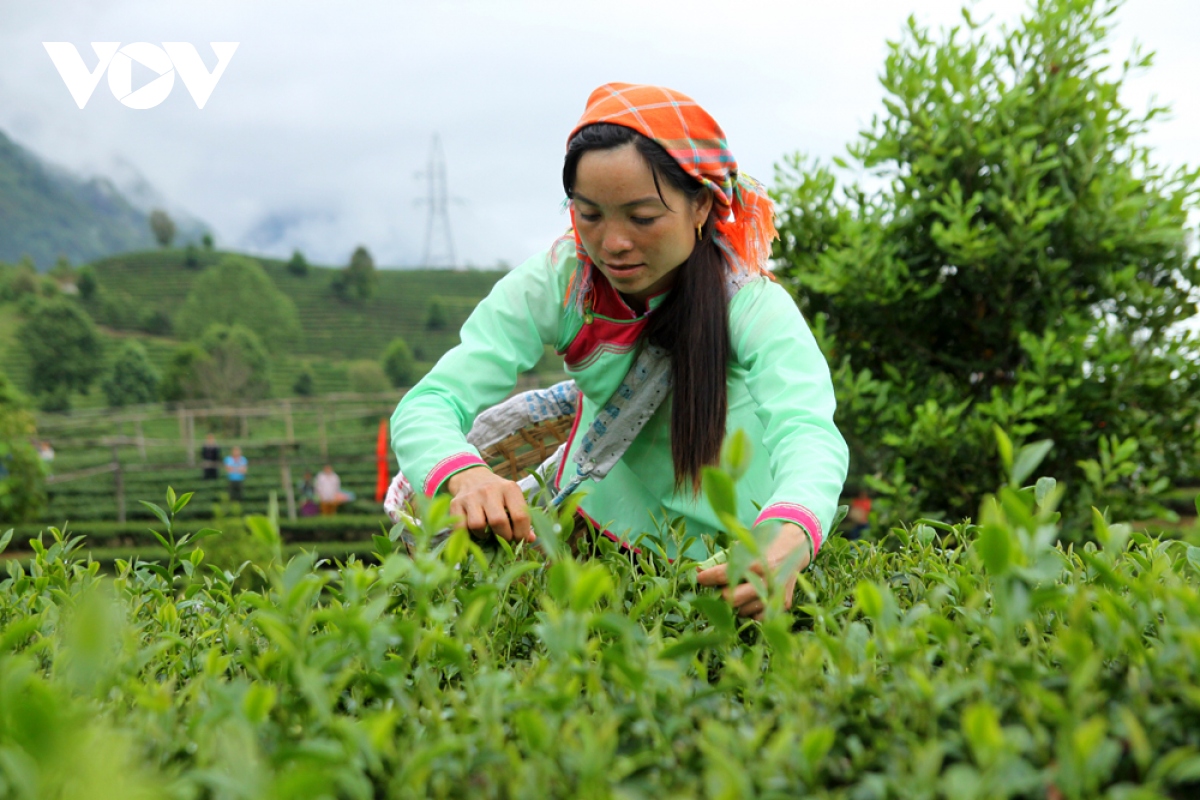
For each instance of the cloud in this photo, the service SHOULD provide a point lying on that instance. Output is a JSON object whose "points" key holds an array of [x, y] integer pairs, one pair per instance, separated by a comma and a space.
{"points": [[315, 134]]}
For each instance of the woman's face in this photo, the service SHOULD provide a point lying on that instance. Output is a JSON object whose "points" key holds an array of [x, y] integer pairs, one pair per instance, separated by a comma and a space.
{"points": [[636, 240]]}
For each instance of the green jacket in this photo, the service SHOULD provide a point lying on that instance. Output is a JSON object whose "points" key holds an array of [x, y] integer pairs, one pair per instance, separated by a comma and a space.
{"points": [[779, 391]]}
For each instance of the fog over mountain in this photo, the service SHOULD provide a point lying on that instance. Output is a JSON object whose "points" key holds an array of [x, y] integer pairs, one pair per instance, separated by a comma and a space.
{"points": [[50, 211]]}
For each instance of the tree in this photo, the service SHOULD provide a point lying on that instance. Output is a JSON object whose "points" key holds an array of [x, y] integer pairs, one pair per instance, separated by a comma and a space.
{"points": [[228, 365], [179, 380], [357, 280], [131, 379], [87, 282], [305, 384], [62, 271], [366, 377], [436, 318], [22, 472], [234, 368], [1023, 266], [23, 281], [115, 309], [162, 226], [64, 350], [154, 321], [191, 256], [297, 265], [206, 241], [398, 363], [237, 291]]}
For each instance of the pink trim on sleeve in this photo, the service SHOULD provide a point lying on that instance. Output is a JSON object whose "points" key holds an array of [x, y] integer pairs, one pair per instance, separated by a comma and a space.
{"points": [[794, 512], [447, 467]]}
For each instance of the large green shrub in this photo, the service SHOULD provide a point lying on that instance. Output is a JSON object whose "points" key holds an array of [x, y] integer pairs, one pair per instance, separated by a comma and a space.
{"points": [[22, 471], [229, 365], [64, 349], [154, 321], [1017, 258], [87, 282], [357, 281], [238, 291], [305, 384], [436, 316], [115, 309], [399, 363], [131, 378], [366, 377], [191, 256], [297, 265], [162, 226], [21, 280], [179, 378], [235, 367]]}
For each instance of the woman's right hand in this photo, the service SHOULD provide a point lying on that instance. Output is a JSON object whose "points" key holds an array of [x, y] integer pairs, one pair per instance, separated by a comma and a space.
{"points": [[485, 500]]}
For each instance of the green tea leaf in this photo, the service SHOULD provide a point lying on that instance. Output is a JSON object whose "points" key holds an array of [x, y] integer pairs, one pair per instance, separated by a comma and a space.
{"points": [[870, 600], [994, 547], [158, 512], [737, 454], [1028, 459], [816, 744], [981, 728], [1004, 445], [1044, 487], [718, 488], [688, 646]]}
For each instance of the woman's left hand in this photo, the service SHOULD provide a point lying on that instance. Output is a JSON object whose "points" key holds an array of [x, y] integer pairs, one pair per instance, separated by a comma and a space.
{"points": [[744, 598]]}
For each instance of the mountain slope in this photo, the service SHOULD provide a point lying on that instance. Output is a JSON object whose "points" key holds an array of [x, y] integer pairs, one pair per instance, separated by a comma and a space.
{"points": [[45, 211], [332, 328]]}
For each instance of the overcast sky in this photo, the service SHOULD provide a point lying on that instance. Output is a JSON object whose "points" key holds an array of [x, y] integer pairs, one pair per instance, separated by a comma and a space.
{"points": [[314, 135]]}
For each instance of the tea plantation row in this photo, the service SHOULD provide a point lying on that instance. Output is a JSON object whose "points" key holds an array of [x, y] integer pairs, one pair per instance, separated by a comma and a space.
{"points": [[332, 328], [976, 660]]}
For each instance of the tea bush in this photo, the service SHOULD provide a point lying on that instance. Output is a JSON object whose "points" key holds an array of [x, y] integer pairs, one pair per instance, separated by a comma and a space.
{"points": [[975, 660], [238, 291]]}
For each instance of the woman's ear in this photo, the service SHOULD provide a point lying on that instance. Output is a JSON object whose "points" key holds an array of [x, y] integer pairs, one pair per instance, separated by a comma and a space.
{"points": [[703, 207]]}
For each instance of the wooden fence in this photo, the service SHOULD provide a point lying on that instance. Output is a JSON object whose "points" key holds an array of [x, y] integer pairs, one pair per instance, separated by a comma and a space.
{"points": [[119, 470], [70, 432]]}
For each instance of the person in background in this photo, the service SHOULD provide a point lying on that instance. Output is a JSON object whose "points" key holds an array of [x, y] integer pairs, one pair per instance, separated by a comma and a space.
{"points": [[210, 457], [329, 491], [308, 496], [860, 515], [235, 469], [45, 451]]}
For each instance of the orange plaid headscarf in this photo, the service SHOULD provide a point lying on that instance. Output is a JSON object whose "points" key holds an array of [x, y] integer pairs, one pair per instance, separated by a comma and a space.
{"points": [[694, 139]]}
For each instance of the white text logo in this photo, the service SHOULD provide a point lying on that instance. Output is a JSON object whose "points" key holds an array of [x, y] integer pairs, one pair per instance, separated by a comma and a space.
{"points": [[172, 57]]}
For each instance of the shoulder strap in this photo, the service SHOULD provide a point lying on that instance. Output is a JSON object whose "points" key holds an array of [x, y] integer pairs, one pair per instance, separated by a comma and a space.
{"points": [[619, 420]]}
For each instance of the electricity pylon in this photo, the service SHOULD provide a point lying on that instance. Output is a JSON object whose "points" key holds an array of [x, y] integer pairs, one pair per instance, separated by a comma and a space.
{"points": [[437, 201]]}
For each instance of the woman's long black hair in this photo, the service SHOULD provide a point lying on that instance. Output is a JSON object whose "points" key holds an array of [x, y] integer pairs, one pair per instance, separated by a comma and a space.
{"points": [[692, 323]]}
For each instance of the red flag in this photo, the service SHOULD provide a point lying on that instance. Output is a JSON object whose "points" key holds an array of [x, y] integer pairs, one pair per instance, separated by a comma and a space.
{"points": [[381, 459]]}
